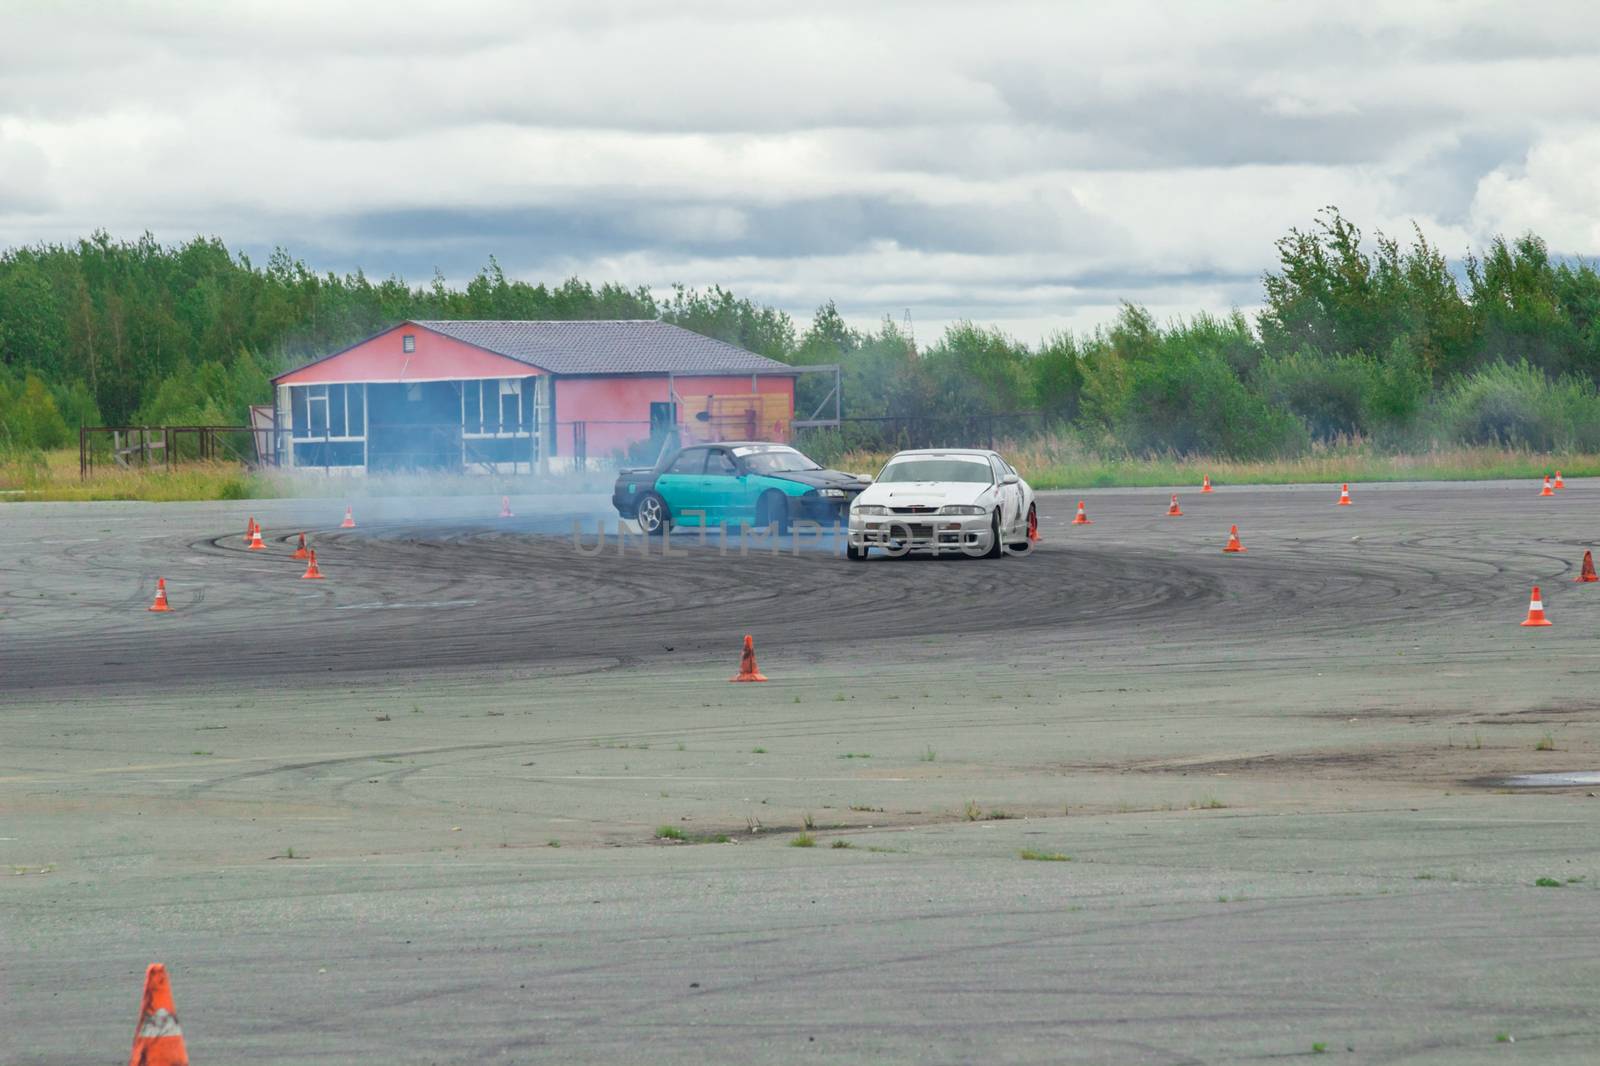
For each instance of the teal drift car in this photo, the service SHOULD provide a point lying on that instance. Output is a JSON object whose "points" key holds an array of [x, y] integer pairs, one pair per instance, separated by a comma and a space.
{"points": [[733, 483]]}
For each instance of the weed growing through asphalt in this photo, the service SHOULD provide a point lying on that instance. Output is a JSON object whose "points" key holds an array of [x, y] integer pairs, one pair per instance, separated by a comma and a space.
{"points": [[1477, 742], [842, 844], [928, 755], [199, 753], [669, 832], [1044, 856], [1209, 803], [552, 843], [680, 746], [1423, 877], [804, 840], [971, 811], [863, 807], [758, 751], [878, 849], [999, 816], [810, 823], [1546, 743], [839, 697], [1547, 882], [1502, 1038], [1318, 1048], [855, 755]]}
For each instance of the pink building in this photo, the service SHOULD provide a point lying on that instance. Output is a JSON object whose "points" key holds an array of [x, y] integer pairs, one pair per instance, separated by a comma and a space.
{"points": [[514, 396]]}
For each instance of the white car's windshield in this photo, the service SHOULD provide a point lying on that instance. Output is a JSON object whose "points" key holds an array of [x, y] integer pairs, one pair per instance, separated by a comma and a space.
{"points": [[776, 461], [975, 471]]}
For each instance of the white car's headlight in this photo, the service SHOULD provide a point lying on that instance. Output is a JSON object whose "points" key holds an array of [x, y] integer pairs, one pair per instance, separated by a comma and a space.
{"points": [[960, 508], [870, 508], [835, 493]]}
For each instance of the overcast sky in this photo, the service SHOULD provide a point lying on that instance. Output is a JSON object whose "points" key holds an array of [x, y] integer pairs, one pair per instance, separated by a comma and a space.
{"points": [[1027, 165]]}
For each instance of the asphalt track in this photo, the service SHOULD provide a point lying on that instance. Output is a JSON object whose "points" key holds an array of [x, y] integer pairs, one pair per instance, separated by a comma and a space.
{"points": [[329, 806]]}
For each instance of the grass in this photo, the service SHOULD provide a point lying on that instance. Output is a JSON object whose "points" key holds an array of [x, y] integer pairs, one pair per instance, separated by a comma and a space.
{"points": [[855, 755], [927, 756], [1047, 463], [1209, 803], [1547, 882], [804, 840], [1044, 856], [553, 843], [972, 811], [1318, 1048], [1059, 463], [1502, 1038], [1546, 743], [842, 844], [669, 832], [810, 823], [758, 751]]}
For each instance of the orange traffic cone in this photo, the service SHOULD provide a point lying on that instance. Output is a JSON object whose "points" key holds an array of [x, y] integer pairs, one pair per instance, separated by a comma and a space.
{"points": [[300, 552], [1536, 611], [1081, 519], [1174, 509], [1559, 483], [255, 540], [1588, 573], [747, 662], [158, 1040], [312, 573], [1033, 526], [1205, 486], [1546, 490], [349, 520], [1344, 496], [249, 530], [1233, 544], [505, 507], [161, 596]]}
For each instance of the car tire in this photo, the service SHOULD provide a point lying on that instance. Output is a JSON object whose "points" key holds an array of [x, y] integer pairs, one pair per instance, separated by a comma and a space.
{"points": [[773, 510], [1021, 547], [996, 548], [653, 517], [855, 554]]}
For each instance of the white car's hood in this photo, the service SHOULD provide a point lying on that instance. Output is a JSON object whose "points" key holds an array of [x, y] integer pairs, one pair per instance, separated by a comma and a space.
{"points": [[924, 494]]}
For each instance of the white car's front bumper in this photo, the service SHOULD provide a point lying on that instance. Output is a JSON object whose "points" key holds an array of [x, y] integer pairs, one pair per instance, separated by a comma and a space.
{"points": [[971, 534]]}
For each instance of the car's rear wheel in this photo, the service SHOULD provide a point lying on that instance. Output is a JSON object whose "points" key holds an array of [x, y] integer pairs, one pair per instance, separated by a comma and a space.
{"points": [[773, 510], [995, 546], [654, 519]]}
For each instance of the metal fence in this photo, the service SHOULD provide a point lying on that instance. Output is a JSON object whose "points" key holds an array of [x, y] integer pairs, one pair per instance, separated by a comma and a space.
{"points": [[575, 445]]}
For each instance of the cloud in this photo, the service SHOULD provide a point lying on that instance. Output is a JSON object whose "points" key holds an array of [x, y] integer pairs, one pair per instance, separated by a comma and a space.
{"points": [[1026, 163]]}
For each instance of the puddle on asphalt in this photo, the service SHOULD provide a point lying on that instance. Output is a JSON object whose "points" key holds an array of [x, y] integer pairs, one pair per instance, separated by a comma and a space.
{"points": [[1573, 779]]}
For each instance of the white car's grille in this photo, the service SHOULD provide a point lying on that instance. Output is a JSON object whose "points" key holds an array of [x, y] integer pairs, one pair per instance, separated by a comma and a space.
{"points": [[914, 509]]}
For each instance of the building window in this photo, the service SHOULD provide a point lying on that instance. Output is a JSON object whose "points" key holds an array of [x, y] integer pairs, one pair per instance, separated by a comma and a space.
{"points": [[408, 342]]}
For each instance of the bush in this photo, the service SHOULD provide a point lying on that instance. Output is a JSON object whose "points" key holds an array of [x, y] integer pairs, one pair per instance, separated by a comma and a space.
{"points": [[29, 418], [1516, 405], [1193, 404], [1332, 396]]}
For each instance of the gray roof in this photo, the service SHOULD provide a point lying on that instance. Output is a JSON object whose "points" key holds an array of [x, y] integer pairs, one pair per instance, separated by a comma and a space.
{"points": [[631, 346]]}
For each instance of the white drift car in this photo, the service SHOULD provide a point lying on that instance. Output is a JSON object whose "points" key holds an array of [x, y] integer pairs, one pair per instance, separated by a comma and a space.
{"points": [[954, 500]]}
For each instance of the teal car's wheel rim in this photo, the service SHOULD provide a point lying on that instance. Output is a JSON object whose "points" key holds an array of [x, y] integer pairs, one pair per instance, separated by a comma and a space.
{"points": [[650, 514]]}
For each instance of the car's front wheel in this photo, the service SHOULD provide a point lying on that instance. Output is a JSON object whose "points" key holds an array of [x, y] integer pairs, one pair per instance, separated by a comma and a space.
{"points": [[853, 553], [995, 546], [773, 510], [654, 519]]}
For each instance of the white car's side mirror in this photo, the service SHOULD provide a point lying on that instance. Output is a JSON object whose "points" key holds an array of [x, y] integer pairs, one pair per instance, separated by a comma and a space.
{"points": [[1010, 479]]}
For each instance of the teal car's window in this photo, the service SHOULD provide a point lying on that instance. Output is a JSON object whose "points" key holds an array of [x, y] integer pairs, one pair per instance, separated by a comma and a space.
{"points": [[778, 461], [691, 461], [720, 463]]}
